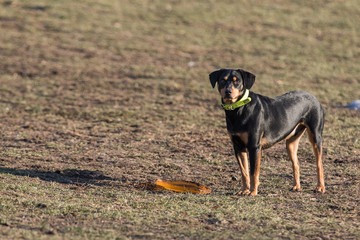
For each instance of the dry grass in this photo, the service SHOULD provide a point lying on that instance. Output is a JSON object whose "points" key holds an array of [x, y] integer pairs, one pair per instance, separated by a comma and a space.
{"points": [[98, 96]]}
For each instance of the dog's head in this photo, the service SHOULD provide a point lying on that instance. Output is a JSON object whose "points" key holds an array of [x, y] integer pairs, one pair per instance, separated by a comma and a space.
{"points": [[231, 83]]}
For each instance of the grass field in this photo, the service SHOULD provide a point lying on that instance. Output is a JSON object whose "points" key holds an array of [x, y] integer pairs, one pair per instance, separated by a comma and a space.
{"points": [[99, 97]]}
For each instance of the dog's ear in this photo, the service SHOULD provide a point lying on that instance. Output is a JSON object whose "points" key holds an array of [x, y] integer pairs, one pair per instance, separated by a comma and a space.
{"points": [[248, 78], [214, 77]]}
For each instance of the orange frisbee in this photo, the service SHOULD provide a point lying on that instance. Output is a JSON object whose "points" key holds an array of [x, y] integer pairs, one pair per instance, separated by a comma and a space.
{"points": [[183, 186]]}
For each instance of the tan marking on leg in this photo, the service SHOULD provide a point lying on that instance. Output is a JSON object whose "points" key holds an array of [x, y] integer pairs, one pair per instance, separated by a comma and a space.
{"points": [[292, 145], [244, 168], [254, 179], [319, 166]]}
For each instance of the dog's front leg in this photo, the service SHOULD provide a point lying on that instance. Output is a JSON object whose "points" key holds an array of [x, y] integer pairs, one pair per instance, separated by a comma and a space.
{"points": [[255, 157], [242, 158]]}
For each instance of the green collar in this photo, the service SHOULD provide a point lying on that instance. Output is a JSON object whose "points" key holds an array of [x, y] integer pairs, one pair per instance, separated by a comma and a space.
{"points": [[244, 100]]}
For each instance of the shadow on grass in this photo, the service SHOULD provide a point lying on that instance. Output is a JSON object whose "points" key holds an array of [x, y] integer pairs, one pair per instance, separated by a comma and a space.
{"points": [[67, 176]]}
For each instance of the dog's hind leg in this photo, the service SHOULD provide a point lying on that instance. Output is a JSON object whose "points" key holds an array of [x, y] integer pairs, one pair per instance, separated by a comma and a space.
{"points": [[314, 129], [292, 145], [316, 143]]}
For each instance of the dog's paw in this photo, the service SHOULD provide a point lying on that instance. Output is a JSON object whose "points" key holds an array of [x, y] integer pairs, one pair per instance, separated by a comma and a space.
{"points": [[295, 189], [244, 192], [320, 189], [253, 193]]}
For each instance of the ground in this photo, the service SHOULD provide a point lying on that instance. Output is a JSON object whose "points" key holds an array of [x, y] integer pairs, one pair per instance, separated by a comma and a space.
{"points": [[99, 97]]}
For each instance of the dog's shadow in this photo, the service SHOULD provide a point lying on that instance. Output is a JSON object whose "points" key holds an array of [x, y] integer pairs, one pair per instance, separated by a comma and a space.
{"points": [[67, 176]]}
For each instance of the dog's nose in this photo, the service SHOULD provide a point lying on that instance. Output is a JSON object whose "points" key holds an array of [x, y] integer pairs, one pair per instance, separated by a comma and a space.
{"points": [[228, 92]]}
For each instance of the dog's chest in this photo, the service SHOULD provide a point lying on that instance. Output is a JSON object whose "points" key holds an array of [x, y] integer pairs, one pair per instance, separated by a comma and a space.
{"points": [[243, 139], [240, 138]]}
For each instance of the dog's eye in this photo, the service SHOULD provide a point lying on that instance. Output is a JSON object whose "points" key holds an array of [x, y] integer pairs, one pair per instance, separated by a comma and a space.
{"points": [[234, 79], [225, 78]]}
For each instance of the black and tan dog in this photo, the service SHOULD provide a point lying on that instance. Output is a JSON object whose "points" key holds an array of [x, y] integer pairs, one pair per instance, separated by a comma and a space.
{"points": [[256, 122]]}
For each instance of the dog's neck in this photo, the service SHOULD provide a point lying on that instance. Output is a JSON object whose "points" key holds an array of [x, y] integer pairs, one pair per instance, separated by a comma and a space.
{"points": [[245, 99], [233, 116]]}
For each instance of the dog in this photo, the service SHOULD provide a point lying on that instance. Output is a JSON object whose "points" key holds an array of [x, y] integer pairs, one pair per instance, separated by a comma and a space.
{"points": [[255, 122]]}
